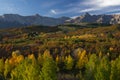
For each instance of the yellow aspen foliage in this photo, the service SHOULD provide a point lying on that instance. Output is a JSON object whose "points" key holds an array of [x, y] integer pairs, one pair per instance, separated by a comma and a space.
{"points": [[31, 56], [12, 61], [46, 54], [40, 59], [62, 59], [108, 54], [83, 59], [20, 58], [83, 54], [100, 54], [1, 66], [7, 68], [102, 34], [15, 53], [73, 37], [78, 53], [57, 59], [28, 70], [15, 60], [65, 37], [69, 62], [111, 48]]}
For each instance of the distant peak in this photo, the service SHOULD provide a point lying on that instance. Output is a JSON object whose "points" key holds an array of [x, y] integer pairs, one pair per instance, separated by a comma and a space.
{"points": [[87, 14], [9, 15], [12, 14], [37, 15], [63, 17]]}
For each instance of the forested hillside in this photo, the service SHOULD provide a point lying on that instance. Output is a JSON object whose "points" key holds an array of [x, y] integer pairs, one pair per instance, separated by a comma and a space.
{"points": [[64, 52]]}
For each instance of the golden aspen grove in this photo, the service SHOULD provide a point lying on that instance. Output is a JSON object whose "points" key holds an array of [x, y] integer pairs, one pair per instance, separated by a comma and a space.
{"points": [[82, 53]]}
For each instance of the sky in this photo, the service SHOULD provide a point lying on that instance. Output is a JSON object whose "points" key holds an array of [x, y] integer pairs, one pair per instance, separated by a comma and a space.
{"points": [[59, 8]]}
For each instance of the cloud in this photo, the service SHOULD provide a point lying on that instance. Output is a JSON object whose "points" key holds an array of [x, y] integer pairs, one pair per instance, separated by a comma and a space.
{"points": [[70, 10], [89, 10], [108, 3], [93, 6], [116, 13], [53, 11], [102, 3], [114, 10]]}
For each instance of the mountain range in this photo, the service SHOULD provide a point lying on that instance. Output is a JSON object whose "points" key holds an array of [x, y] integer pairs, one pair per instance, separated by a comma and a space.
{"points": [[15, 20], [87, 18]]}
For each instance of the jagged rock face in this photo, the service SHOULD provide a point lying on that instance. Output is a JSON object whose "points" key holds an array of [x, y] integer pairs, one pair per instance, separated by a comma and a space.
{"points": [[15, 20], [87, 18], [116, 19]]}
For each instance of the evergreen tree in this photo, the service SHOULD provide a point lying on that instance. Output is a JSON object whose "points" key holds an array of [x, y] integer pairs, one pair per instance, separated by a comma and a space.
{"points": [[1, 69], [115, 69], [1, 66], [103, 69], [7, 69], [91, 67], [48, 70]]}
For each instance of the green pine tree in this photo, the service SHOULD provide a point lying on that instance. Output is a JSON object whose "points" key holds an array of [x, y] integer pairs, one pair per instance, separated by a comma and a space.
{"points": [[91, 67], [115, 69], [48, 70], [103, 69]]}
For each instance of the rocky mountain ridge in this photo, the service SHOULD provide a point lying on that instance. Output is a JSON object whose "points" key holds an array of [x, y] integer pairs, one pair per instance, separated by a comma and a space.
{"points": [[15, 20], [88, 18]]}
